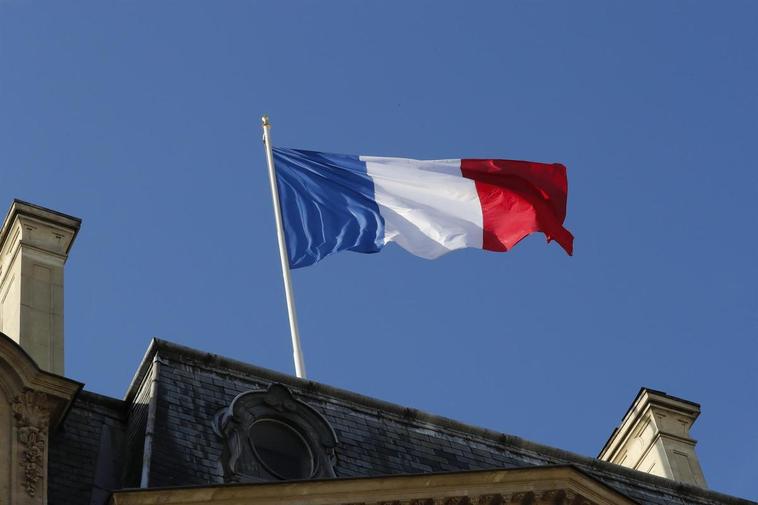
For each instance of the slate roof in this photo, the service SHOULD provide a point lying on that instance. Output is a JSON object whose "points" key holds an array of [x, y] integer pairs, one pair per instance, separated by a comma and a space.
{"points": [[189, 387], [86, 451]]}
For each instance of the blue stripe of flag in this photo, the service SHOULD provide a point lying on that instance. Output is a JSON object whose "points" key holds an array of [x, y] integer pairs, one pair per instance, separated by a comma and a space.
{"points": [[328, 205]]}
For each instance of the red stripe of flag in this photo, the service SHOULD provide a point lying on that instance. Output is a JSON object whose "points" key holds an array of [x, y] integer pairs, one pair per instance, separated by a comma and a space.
{"points": [[519, 198]]}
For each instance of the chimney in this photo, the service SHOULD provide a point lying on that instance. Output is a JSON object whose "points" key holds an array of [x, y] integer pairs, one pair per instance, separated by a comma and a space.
{"points": [[34, 245], [653, 437]]}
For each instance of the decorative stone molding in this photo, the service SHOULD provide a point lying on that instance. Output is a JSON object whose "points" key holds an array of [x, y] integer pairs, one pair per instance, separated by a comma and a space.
{"points": [[307, 440], [422, 501], [490, 499], [32, 416], [32, 402], [453, 500], [550, 485], [560, 496]]}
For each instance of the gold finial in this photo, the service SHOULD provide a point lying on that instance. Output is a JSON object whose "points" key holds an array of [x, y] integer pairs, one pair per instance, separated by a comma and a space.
{"points": [[264, 120]]}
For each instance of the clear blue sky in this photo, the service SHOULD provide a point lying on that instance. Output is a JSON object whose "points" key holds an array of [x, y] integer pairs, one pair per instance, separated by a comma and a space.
{"points": [[142, 117]]}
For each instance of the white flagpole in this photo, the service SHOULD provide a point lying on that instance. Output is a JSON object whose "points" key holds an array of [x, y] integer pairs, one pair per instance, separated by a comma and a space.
{"points": [[297, 351]]}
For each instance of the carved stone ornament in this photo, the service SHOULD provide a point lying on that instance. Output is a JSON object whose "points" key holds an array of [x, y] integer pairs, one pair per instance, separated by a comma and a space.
{"points": [[559, 496], [269, 435], [32, 417]]}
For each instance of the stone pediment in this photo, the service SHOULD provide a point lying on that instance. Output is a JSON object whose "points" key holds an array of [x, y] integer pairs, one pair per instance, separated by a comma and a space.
{"points": [[547, 485]]}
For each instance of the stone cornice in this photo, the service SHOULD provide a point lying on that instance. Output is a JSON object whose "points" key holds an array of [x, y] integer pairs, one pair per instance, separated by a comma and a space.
{"points": [[19, 372], [43, 215], [548, 485]]}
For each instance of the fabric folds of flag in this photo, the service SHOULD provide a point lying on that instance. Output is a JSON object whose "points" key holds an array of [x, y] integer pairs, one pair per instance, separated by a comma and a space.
{"points": [[336, 202]]}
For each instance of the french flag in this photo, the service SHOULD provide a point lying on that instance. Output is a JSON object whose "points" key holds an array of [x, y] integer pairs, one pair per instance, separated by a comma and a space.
{"points": [[335, 202]]}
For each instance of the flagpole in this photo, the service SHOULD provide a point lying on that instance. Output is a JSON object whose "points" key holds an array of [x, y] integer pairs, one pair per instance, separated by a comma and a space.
{"points": [[297, 351]]}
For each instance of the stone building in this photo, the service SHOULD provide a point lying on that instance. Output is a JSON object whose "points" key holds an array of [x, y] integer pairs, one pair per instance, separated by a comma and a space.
{"points": [[196, 428]]}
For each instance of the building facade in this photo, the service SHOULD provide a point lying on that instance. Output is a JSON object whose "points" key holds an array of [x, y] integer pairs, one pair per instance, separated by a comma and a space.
{"points": [[197, 428]]}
